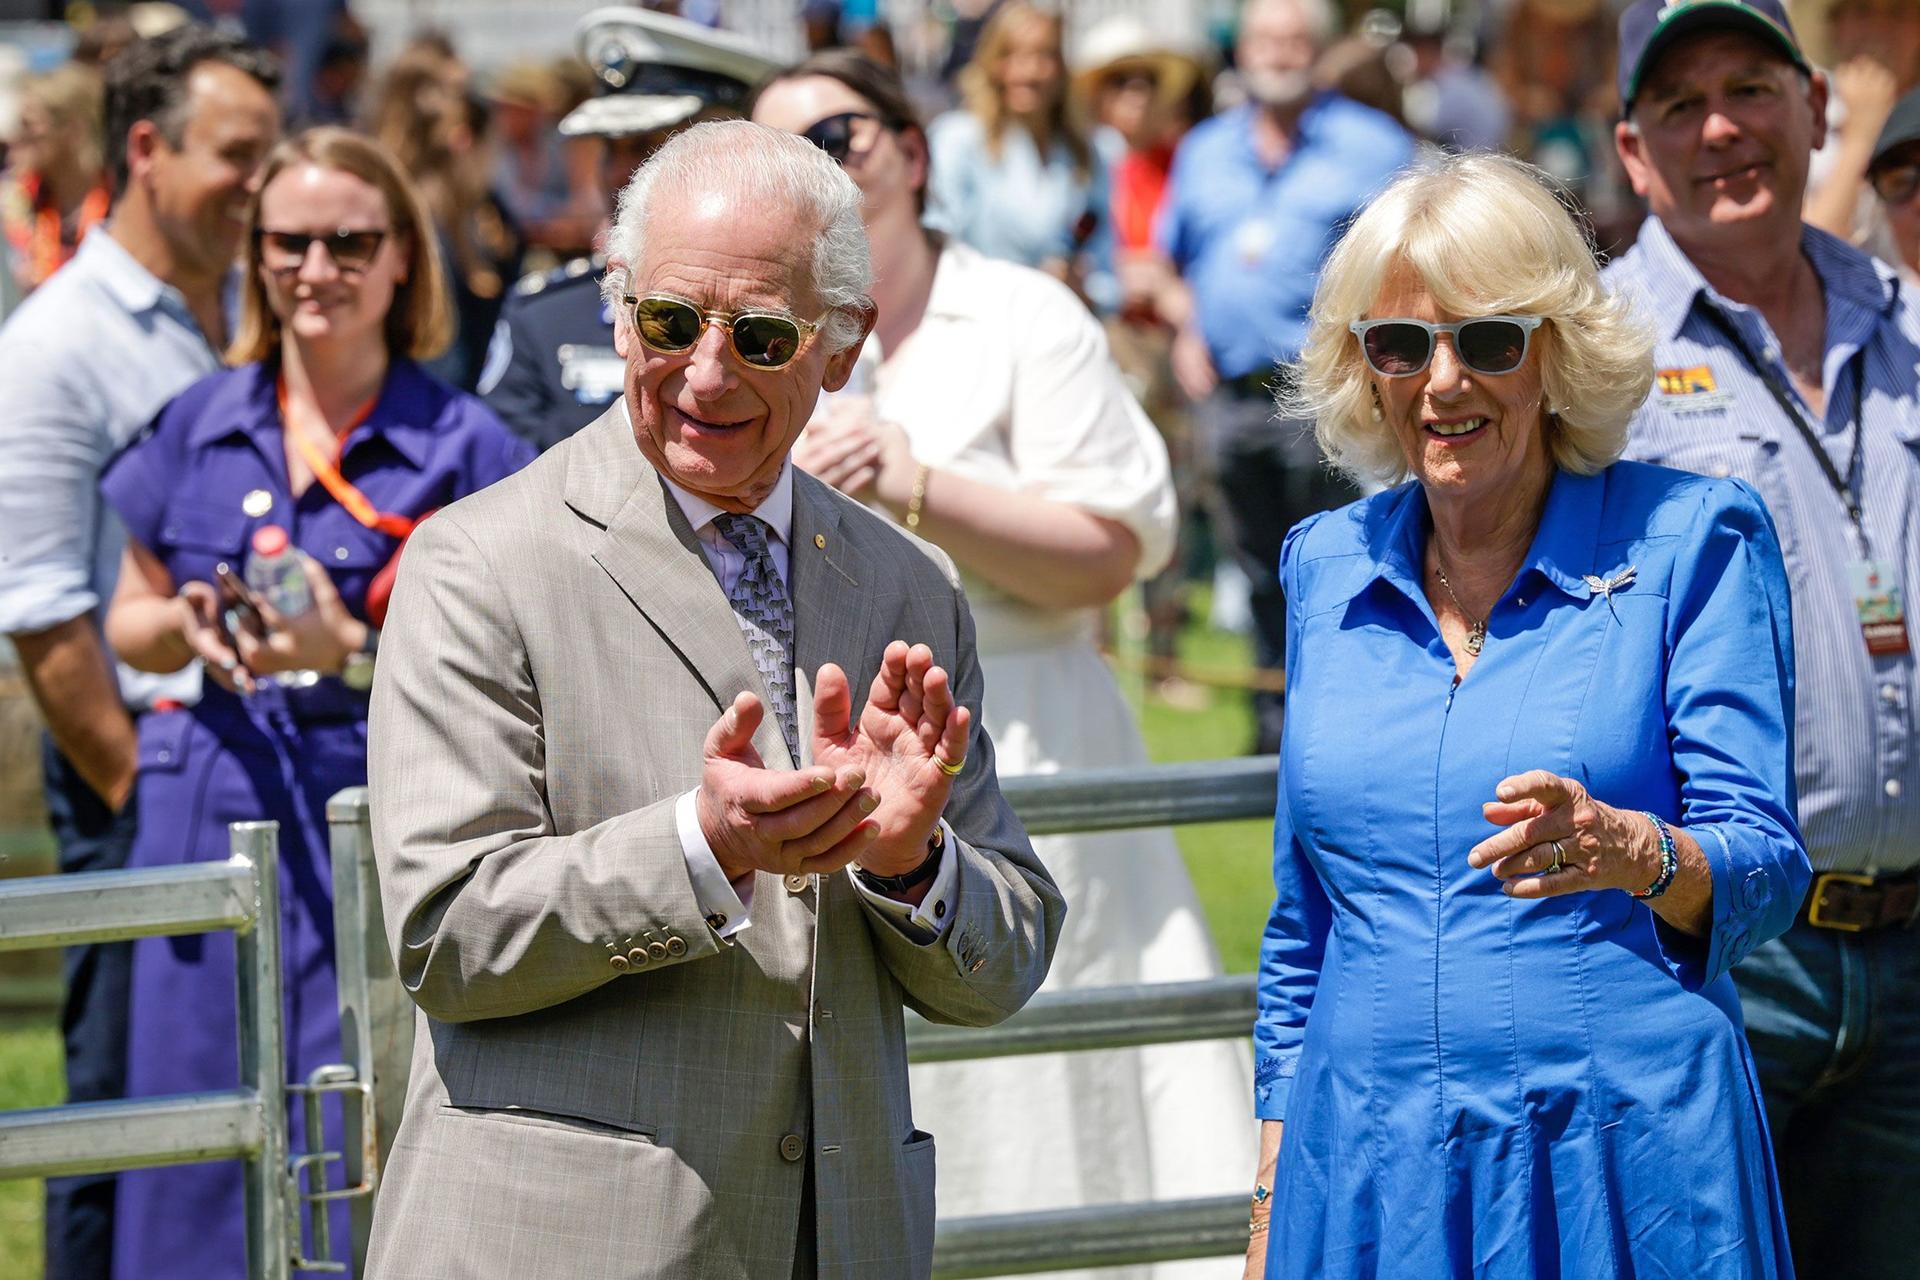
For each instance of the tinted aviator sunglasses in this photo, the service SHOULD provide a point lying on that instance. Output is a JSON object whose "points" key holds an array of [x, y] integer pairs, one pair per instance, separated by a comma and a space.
{"points": [[764, 339], [351, 250], [847, 134], [1401, 348]]}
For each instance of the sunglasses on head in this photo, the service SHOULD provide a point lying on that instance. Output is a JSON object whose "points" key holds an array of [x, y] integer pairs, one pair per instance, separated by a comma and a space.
{"points": [[849, 133], [1400, 348], [350, 250], [764, 339]]}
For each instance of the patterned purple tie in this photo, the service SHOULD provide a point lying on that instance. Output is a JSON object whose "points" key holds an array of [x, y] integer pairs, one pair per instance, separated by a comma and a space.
{"points": [[765, 613]]}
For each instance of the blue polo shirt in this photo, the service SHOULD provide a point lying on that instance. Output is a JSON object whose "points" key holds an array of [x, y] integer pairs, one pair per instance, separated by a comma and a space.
{"points": [[1710, 412], [1250, 240]]}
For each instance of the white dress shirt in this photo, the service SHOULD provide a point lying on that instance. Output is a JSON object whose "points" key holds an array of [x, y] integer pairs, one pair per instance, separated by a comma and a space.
{"points": [[728, 904]]}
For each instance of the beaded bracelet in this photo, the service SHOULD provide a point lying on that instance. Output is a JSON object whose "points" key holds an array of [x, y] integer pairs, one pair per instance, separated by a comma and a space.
{"points": [[1669, 860]]}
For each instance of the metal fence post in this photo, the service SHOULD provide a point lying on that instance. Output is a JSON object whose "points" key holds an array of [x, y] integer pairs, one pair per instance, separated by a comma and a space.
{"points": [[263, 1056]]}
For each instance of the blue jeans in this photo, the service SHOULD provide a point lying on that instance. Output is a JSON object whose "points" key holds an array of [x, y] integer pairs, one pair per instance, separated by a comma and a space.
{"points": [[93, 1019], [1834, 1021]]}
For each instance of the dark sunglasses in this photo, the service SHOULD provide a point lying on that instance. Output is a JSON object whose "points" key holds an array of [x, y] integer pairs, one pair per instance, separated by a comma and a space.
{"points": [[1400, 348], [1896, 183], [350, 250], [764, 339], [849, 133]]}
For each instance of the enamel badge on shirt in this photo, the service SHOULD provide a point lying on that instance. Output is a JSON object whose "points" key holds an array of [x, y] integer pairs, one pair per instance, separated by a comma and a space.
{"points": [[1691, 390], [1878, 600]]}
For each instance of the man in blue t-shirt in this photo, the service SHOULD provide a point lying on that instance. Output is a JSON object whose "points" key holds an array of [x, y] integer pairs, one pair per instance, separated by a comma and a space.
{"points": [[1258, 197]]}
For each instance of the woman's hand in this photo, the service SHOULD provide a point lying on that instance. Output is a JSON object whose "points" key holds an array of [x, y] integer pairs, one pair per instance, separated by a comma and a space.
{"points": [[318, 640], [1600, 847], [199, 606], [854, 451]]}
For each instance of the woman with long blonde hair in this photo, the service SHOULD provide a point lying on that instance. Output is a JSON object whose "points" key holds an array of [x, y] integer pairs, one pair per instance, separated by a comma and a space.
{"points": [[1014, 173]]}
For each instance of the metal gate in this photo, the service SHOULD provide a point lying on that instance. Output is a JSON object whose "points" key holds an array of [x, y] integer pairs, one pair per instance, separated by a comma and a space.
{"points": [[377, 1018]]}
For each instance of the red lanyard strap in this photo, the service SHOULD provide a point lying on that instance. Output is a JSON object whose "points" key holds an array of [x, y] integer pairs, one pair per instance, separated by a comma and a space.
{"points": [[327, 471]]}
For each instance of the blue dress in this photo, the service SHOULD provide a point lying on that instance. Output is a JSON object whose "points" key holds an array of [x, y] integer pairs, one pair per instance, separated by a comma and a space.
{"points": [[1478, 1086], [192, 490]]}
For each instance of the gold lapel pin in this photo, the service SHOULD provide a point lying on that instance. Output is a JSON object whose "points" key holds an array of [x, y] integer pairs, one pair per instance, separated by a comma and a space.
{"points": [[820, 541]]}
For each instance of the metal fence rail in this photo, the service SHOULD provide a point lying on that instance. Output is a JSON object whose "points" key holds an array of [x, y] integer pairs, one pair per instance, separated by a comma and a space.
{"points": [[377, 1019], [242, 894]]}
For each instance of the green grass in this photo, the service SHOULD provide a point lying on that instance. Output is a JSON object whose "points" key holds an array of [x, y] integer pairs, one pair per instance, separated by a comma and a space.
{"points": [[1229, 862]]}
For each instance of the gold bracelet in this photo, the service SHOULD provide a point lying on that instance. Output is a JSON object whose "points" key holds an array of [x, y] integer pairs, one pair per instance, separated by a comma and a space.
{"points": [[918, 497]]}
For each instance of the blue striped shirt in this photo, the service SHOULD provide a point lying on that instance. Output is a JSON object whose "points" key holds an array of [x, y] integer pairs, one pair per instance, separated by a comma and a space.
{"points": [[1710, 412]]}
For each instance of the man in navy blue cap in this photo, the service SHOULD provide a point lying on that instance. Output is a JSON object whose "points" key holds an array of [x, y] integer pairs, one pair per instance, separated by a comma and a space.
{"points": [[1787, 358], [551, 367]]}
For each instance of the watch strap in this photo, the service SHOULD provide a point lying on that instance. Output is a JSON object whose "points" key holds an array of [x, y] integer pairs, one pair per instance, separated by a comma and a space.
{"points": [[929, 868]]}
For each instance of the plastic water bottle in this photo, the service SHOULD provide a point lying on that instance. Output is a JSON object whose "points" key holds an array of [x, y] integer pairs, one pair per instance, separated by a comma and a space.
{"points": [[276, 574]]}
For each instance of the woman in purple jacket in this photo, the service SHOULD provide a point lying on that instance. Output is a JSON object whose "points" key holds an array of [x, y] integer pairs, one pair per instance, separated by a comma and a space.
{"points": [[327, 431]]}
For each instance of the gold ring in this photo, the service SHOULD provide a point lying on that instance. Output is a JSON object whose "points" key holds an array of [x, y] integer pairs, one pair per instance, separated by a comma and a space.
{"points": [[951, 770]]}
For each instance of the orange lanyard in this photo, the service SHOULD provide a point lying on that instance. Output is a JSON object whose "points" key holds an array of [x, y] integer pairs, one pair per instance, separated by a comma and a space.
{"points": [[327, 471]]}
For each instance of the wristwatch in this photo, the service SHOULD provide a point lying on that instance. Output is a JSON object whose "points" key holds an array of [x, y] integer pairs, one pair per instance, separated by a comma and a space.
{"points": [[929, 868], [357, 674]]}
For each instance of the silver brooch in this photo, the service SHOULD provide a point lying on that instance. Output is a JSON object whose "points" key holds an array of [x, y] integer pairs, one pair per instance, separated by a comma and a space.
{"points": [[1605, 587]]}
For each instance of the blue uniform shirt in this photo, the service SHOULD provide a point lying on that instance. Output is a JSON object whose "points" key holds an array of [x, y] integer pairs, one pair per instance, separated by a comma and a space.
{"points": [[552, 367], [212, 468], [1710, 412], [1249, 241]]}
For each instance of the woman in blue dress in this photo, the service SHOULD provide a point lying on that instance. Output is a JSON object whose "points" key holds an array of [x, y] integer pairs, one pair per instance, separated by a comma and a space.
{"points": [[1535, 795], [327, 429]]}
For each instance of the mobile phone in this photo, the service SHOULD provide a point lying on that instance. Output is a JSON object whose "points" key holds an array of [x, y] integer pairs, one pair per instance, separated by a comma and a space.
{"points": [[245, 605]]}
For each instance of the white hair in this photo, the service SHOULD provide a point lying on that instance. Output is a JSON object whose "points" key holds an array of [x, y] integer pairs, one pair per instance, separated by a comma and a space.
{"points": [[1485, 234], [759, 169]]}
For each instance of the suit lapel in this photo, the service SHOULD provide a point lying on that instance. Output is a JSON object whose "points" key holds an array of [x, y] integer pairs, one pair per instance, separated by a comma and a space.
{"points": [[650, 552], [831, 581]]}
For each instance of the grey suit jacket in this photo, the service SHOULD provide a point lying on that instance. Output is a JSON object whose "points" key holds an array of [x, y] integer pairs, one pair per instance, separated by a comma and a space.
{"points": [[602, 1087]]}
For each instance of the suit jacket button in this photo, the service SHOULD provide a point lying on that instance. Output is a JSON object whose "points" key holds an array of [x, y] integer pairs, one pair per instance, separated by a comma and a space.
{"points": [[795, 884], [620, 964], [792, 1147], [657, 950], [638, 957], [676, 946]]}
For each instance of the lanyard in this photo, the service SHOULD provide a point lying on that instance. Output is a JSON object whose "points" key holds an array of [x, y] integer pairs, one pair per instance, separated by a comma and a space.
{"points": [[327, 471], [1848, 489]]}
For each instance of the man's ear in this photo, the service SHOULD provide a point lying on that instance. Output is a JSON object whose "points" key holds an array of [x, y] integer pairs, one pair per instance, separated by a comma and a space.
{"points": [[622, 321], [1819, 90], [144, 142], [1631, 148], [840, 363]]}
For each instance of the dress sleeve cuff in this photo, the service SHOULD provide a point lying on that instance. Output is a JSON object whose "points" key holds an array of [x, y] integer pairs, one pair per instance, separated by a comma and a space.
{"points": [[927, 923], [1272, 1087], [727, 904]]}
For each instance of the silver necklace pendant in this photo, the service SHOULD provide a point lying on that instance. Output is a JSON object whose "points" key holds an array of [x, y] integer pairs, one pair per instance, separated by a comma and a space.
{"points": [[1476, 638]]}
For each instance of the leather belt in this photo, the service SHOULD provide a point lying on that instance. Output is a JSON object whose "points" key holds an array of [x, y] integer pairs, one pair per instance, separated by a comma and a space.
{"points": [[1854, 903]]}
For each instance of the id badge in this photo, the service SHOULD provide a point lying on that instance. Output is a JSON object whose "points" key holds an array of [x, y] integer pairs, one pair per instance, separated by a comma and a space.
{"points": [[1252, 239], [1881, 606]]}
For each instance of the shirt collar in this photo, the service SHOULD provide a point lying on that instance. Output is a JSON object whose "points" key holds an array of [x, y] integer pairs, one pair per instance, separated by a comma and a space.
{"points": [[1563, 550], [403, 415], [1674, 286], [776, 512], [950, 294], [133, 286]]}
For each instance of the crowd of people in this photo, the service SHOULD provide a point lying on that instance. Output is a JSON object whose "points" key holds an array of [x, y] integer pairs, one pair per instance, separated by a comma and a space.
{"points": [[1547, 378]]}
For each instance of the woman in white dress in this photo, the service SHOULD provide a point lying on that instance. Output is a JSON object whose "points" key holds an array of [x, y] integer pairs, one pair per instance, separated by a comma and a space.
{"points": [[999, 429]]}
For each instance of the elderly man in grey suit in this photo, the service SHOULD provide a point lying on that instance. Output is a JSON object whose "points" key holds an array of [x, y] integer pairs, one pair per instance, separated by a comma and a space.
{"points": [[658, 885]]}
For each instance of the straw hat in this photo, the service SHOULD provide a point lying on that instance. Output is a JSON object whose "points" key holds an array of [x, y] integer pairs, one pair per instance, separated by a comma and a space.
{"points": [[1123, 45]]}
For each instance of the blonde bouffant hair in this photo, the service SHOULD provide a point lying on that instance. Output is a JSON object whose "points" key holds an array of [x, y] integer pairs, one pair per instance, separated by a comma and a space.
{"points": [[1486, 235]]}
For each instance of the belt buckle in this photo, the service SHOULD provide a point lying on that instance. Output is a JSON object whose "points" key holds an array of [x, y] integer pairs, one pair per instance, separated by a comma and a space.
{"points": [[1820, 884]]}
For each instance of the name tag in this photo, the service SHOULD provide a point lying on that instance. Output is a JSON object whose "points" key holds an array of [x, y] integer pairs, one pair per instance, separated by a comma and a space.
{"points": [[1881, 606], [594, 374], [1691, 389]]}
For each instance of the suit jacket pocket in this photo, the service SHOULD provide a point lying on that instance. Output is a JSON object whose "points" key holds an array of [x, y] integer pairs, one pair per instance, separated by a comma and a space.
{"points": [[582, 1125]]}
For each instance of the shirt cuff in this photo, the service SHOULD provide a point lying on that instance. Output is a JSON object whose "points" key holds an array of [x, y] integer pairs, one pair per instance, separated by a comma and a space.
{"points": [[927, 923], [727, 904]]}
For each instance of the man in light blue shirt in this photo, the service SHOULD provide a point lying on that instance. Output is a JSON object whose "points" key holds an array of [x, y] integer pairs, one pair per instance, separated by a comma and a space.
{"points": [[1788, 359], [85, 362], [1257, 199]]}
